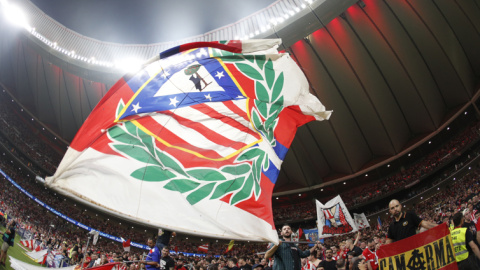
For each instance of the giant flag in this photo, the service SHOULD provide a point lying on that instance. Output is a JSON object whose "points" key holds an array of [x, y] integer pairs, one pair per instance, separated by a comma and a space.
{"points": [[194, 141]]}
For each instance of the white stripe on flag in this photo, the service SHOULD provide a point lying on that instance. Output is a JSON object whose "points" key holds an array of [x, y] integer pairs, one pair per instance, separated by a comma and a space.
{"points": [[217, 126], [193, 137], [241, 104]]}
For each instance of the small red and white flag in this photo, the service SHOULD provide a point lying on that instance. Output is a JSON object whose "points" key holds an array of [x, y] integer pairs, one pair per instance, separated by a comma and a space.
{"points": [[298, 235], [203, 248], [126, 245]]}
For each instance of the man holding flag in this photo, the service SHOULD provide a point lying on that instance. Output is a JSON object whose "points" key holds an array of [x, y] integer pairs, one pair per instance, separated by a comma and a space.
{"points": [[286, 254], [152, 261]]}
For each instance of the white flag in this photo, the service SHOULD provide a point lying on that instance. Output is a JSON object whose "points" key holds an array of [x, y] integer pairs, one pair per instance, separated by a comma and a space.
{"points": [[334, 219], [95, 236], [361, 221]]}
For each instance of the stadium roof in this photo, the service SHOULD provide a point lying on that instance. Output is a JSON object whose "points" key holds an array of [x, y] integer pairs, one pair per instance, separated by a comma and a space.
{"points": [[394, 73]]}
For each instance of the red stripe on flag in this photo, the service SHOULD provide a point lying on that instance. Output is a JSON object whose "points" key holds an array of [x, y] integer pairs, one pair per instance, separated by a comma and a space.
{"points": [[234, 108], [225, 119], [245, 83], [208, 133], [231, 46], [172, 139], [342, 216]]}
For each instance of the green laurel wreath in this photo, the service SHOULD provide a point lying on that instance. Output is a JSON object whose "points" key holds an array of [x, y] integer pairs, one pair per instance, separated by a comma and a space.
{"points": [[197, 184]]}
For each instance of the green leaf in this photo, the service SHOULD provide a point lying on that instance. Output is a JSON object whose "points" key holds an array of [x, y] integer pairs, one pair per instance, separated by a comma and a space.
{"points": [[257, 188], [238, 169], [149, 142], [271, 121], [119, 108], [118, 134], [206, 174], [249, 71], [168, 162], [257, 167], [244, 193], [227, 187], [278, 88], [181, 185], [269, 73], [261, 92], [131, 128], [152, 174], [260, 59], [262, 108], [275, 109], [270, 136], [266, 162], [250, 154], [136, 152], [200, 193], [257, 122]]}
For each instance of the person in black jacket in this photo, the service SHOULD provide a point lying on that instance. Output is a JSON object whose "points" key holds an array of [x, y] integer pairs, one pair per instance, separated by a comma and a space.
{"points": [[8, 240]]}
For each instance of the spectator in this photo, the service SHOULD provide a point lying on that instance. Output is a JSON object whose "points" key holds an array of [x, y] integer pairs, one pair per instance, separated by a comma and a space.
{"points": [[405, 224], [8, 241]]}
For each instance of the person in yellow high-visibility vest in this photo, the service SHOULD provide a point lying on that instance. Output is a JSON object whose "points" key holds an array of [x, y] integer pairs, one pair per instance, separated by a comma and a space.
{"points": [[463, 244]]}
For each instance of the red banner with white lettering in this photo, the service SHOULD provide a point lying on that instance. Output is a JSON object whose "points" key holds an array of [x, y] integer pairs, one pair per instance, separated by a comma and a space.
{"points": [[431, 249]]}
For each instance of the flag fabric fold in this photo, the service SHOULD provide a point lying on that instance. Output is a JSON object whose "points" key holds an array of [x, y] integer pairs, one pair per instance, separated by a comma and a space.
{"points": [[198, 135], [334, 219], [19, 265], [38, 256]]}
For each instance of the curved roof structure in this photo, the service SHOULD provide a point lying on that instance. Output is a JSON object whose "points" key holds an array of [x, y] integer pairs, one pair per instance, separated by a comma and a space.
{"points": [[395, 73]]}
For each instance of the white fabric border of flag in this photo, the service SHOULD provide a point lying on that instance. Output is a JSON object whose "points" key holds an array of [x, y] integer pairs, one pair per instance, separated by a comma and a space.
{"points": [[361, 217], [19, 265], [207, 211], [321, 216], [37, 256]]}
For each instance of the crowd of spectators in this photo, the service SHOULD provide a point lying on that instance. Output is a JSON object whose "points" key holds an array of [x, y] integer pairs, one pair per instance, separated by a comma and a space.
{"points": [[437, 208]]}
